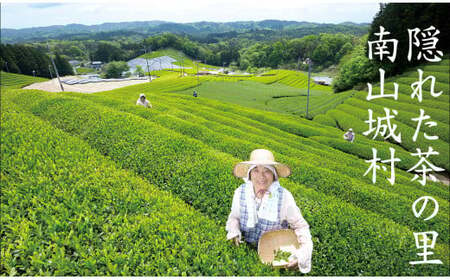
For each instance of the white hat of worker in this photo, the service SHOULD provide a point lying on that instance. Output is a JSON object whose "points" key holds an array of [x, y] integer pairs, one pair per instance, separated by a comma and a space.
{"points": [[350, 129], [141, 95], [261, 157]]}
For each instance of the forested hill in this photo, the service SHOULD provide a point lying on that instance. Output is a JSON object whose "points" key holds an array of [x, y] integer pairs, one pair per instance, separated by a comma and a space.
{"points": [[204, 31]]}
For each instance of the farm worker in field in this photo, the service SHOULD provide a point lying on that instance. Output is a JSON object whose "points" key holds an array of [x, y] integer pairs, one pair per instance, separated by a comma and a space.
{"points": [[143, 101], [195, 94], [349, 136], [261, 204]]}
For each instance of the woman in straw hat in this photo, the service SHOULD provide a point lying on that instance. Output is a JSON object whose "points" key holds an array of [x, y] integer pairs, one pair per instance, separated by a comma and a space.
{"points": [[261, 205]]}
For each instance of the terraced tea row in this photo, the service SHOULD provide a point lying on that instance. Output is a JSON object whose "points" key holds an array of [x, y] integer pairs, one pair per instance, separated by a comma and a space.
{"points": [[305, 168], [247, 127], [306, 128], [354, 112], [66, 210], [138, 151], [12, 80]]}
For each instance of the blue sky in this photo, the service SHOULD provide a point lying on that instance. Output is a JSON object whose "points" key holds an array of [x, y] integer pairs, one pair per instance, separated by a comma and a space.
{"points": [[38, 13]]}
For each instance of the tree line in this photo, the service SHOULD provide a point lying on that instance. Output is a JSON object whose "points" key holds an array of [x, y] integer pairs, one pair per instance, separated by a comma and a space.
{"points": [[246, 54], [396, 18], [323, 49], [29, 60]]}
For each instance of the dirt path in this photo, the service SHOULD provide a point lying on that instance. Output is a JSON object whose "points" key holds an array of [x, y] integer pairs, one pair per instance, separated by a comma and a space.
{"points": [[53, 85]]}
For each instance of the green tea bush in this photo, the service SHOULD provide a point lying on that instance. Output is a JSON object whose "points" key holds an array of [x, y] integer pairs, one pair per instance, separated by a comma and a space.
{"points": [[405, 84], [304, 163], [325, 120], [199, 175], [435, 108], [66, 210], [405, 117], [441, 77], [407, 133], [323, 155], [362, 195], [222, 127], [12, 80]]}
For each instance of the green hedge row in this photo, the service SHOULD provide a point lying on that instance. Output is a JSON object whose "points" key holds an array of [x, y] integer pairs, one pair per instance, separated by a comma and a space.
{"points": [[363, 194], [12, 80], [308, 167], [222, 126], [442, 160], [327, 103], [202, 177], [284, 122], [441, 130], [323, 155], [363, 150], [437, 109], [66, 210], [405, 84], [442, 67], [404, 95], [198, 108], [441, 77], [234, 126], [345, 121], [325, 120], [292, 125]]}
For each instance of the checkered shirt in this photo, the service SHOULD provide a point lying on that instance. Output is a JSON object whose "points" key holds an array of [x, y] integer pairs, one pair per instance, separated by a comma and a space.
{"points": [[252, 235]]}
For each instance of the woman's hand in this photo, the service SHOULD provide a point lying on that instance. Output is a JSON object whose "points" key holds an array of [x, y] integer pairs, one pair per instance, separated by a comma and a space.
{"points": [[293, 263], [236, 241]]}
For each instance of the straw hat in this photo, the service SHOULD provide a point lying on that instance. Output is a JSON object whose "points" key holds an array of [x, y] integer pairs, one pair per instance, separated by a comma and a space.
{"points": [[261, 157], [271, 241], [350, 129]]}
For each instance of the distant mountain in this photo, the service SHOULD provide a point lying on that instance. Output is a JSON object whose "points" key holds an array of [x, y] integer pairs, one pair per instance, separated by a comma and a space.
{"points": [[201, 29], [9, 35]]}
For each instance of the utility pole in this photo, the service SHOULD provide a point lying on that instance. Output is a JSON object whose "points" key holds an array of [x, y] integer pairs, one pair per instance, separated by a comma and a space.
{"points": [[308, 61], [50, 71], [182, 68], [223, 70], [54, 66], [198, 77], [146, 60]]}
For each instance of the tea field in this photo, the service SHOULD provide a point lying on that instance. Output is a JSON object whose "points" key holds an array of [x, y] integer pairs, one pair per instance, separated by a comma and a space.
{"points": [[93, 185], [354, 112]]}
